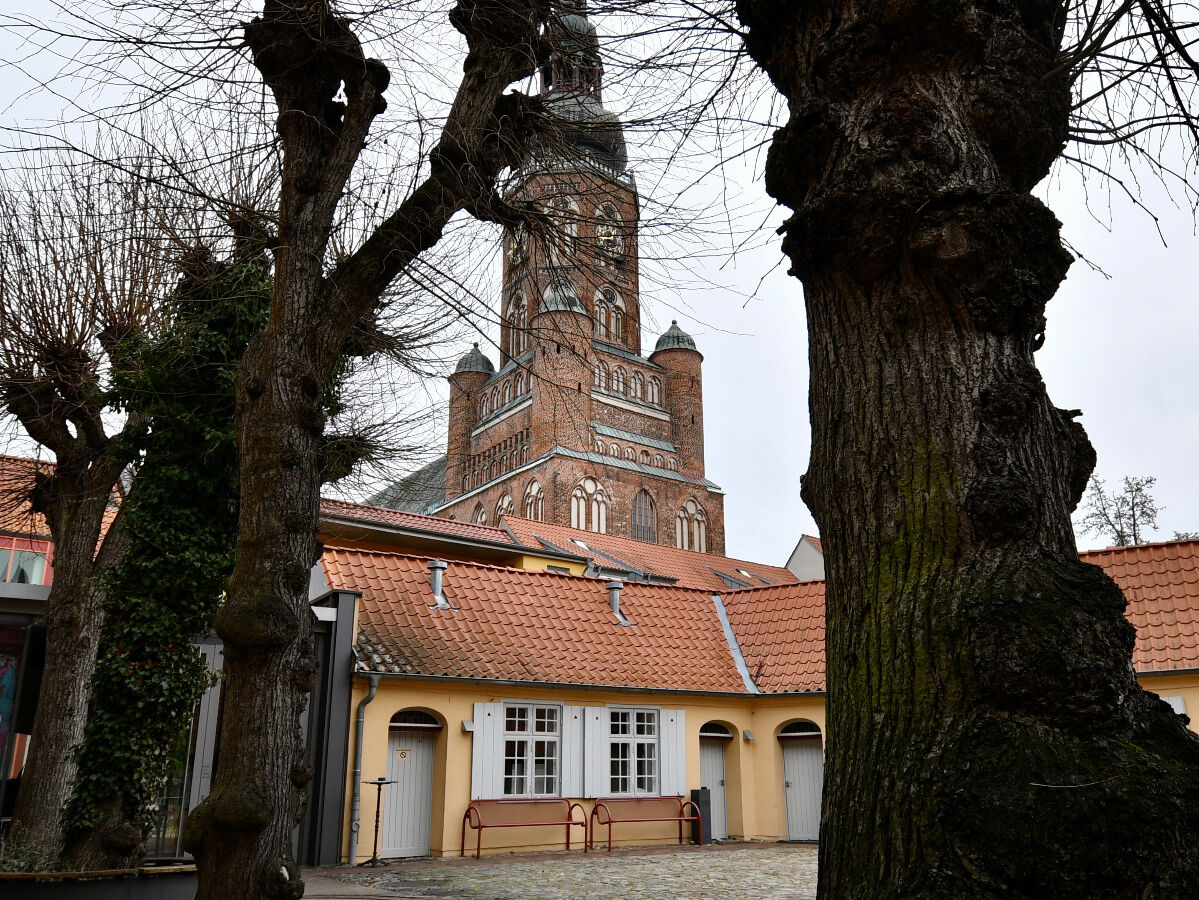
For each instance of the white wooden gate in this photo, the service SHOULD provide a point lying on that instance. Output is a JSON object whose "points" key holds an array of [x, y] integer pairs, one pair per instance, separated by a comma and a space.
{"points": [[407, 804], [711, 774], [803, 779]]}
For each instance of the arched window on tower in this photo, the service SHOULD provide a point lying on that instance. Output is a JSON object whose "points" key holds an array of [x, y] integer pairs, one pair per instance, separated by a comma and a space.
{"points": [[480, 516], [616, 323], [637, 386], [507, 392], [672, 464], [484, 406], [601, 375], [600, 448], [613, 450], [644, 458], [495, 398], [504, 507], [655, 390], [600, 320], [520, 384], [630, 454], [566, 231], [589, 507], [517, 327], [691, 527], [533, 498], [645, 526], [618, 379], [658, 461]]}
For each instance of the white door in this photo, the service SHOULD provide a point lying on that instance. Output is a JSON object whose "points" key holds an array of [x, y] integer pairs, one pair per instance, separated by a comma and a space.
{"points": [[711, 774], [407, 804], [803, 778]]}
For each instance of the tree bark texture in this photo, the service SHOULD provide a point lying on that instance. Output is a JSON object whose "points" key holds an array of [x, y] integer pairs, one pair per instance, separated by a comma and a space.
{"points": [[74, 500], [987, 736], [241, 834]]}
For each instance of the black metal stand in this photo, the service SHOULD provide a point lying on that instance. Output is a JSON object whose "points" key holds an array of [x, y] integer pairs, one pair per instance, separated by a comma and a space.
{"points": [[378, 783]]}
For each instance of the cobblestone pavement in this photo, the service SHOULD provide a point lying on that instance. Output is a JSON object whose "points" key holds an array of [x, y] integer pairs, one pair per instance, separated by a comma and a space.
{"points": [[728, 872]]}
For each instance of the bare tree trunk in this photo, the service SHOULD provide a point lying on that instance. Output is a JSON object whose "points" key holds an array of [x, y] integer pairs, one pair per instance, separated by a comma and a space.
{"points": [[987, 737], [73, 616], [241, 833]]}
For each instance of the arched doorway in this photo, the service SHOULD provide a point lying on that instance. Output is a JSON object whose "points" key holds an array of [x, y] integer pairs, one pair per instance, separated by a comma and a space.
{"points": [[803, 778], [408, 803], [713, 739]]}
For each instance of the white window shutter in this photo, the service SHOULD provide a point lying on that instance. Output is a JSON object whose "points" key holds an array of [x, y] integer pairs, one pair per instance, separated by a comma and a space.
{"points": [[487, 752], [572, 750], [1178, 704], [595, 751], [674, 753]]}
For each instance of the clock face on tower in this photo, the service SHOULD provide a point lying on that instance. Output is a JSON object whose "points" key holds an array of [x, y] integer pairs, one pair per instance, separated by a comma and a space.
{"points": [[518, 245], [610, 238]]}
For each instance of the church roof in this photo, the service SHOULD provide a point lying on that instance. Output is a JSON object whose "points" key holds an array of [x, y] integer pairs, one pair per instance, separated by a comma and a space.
{"points": [[674, 338], [419, 492]]}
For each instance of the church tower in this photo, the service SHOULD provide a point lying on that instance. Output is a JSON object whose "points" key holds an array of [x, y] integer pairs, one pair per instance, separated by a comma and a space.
{"points": [[576, 426]]}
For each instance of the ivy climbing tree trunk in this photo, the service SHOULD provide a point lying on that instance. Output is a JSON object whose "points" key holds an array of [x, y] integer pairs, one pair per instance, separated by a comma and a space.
{"points": [[308, 56], [987, 736]]}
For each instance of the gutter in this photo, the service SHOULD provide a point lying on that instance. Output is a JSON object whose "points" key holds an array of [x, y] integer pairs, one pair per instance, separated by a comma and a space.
{"points": [[356, 793], [580, 686]]}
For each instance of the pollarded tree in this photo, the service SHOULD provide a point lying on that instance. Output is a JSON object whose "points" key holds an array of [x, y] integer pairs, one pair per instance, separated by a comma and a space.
{"points": [[78, 276], [328, 94], [987, 736]]}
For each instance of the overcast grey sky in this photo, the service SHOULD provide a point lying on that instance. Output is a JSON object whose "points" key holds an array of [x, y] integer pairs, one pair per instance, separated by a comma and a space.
{"points": [[1119, 346]]}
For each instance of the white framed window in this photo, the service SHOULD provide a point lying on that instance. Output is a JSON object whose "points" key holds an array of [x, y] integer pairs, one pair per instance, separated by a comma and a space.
{"points": [[533, 501], [633, 752], [532, 744]]}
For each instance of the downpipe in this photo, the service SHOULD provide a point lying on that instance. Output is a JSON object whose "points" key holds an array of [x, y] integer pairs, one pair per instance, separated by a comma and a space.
{"points": [[356, 792]]}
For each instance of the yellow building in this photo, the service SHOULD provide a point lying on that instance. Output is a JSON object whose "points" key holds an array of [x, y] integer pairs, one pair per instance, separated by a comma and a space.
{"points": [[616, 669]]}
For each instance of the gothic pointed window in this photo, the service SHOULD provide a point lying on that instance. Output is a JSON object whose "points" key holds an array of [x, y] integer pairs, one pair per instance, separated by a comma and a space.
{"points": [[616, 315], [601, 375], [589, 507], [637, 386], [618, 380], [645, 526], [691, 527], [517, 327], [658, 461], [600, 448], [507, 392], [533, 501], [681, 530], [504, 507], [484, 406], [480, 516], [644, 458], [519, 388], [600, 320], [565, 240], [613, 450], [655, 390], [630, 454]]}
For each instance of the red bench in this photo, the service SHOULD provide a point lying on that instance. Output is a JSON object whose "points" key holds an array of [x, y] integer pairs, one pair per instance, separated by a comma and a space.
{"points": [[482, 814], [644, 809]]}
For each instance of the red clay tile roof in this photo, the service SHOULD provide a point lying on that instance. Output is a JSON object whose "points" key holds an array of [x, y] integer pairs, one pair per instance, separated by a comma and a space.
{"points": [[509, 624], [396, 518], [16, 477], [781, 633], [691, 568], [1161, 583]]}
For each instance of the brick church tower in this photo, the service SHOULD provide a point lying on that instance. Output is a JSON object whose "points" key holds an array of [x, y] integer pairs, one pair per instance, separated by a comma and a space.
{"points": [[576, 427]]}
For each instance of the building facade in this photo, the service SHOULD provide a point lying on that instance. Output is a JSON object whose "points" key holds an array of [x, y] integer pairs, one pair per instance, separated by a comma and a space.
{"points": [[576, 427]]}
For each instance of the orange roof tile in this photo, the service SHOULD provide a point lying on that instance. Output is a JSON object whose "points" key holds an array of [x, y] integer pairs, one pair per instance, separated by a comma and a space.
{"points": [[691, 568], [16, 478], [781, 634], [513, 625], [396, 518], [1161, 584]]}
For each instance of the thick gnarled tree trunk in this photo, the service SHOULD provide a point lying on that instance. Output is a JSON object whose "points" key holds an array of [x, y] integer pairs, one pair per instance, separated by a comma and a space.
{"points": [[987, 737]]}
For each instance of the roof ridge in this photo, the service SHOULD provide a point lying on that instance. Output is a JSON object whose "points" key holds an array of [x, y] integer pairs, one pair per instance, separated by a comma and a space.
{"points": [[1147, 544]]}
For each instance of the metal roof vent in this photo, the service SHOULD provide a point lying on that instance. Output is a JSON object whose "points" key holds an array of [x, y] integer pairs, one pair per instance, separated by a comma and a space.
{"points": [[614, 601], [437, 568]]}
